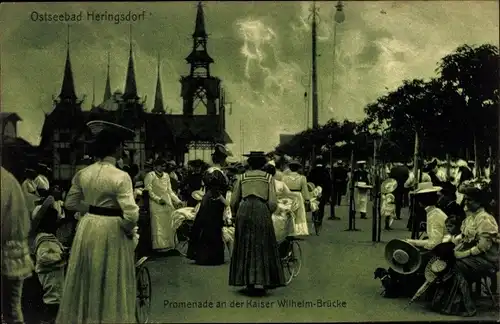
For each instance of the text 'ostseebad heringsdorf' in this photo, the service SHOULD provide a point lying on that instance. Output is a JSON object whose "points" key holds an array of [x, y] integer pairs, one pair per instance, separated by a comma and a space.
{"points": [[280, 303]]}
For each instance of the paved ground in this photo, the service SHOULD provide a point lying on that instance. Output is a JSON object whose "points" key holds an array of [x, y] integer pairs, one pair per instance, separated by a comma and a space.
{"points": [[337, 266]]}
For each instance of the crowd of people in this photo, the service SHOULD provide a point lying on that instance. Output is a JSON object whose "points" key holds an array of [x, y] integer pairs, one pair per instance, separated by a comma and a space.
{"points": [[80, 241]]}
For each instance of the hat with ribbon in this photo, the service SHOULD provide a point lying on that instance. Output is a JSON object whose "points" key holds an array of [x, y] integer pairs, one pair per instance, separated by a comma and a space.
{"points": [[40, 211], [256, 154], [148, 163], [363, 185], [403, 257], [310, 186], [43, 166], [388, 186], [476, 188], [220, 149], [107, 132], [294, 162], [425, 187]]}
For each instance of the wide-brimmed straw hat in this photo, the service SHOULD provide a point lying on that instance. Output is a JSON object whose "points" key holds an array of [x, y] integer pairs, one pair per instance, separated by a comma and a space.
{"points": [[475, 188], [111, 131], [361, 162], [363, 185], [425, 187], [403, 257], [197, 195], [40, 212], [388, 186], [294, 162], [220, 149], [44, 166], [256, 154]]}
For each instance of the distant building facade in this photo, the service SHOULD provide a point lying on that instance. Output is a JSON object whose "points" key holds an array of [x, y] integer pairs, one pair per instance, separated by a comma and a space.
{"points": [[157, 132]]}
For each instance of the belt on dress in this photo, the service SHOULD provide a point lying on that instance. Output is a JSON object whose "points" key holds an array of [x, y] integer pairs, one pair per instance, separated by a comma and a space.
{"points": [[105, 211], [296, 190]]}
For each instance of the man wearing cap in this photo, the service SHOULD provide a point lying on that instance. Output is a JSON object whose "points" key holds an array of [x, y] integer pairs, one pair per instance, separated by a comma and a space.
{"points": [[340, 179], [400, 173], [361, 180]]}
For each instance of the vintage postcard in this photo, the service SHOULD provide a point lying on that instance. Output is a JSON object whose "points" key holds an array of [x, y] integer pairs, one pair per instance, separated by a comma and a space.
{"points": [[251, 161]]}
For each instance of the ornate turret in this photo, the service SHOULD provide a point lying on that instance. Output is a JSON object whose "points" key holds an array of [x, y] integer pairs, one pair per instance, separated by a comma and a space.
{"points": [[158, 108], [199, 58], [130, 92], [199, 87], [107, 89], [68, 92]]}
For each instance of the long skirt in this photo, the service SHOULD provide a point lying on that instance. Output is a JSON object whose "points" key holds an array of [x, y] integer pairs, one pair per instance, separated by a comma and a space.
{"points": [[206, 245], [255, 259], [361, 196], [300, 221], [100, 282], [162, 233], [453, 295]]}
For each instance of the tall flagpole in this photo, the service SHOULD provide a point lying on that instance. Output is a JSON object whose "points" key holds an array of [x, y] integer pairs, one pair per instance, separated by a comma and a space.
{"points": [[315, 113]]}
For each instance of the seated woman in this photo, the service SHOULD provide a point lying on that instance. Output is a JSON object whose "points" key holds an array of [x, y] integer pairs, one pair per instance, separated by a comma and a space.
{"points": [[476, 252], [426, 196]]}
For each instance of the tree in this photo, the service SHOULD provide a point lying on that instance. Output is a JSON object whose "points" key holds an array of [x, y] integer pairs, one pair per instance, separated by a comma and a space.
{"points": [[472, 73]]}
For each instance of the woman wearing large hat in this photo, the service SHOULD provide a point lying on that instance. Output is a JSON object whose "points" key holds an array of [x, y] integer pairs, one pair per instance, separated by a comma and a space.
{"points": [[100, 279], [476, 251], [255, 260], [297, 183], [206, 246], [426, 195], [162, 203]]}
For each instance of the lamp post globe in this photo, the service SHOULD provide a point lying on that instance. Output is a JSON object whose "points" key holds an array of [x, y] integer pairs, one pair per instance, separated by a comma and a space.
{"points": [[339, 14]]}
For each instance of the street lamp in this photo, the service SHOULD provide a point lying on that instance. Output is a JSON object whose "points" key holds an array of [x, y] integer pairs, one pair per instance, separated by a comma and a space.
{"points": [[339, 14]]}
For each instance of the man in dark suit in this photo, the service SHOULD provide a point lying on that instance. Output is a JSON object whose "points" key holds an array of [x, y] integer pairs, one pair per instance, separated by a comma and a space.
{"points": [[320, 176], [340, 179], [400, 173]]}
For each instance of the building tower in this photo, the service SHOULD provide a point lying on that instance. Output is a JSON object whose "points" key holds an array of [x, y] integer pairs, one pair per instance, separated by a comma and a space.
{"points": [[158, 107], [200, 87]]}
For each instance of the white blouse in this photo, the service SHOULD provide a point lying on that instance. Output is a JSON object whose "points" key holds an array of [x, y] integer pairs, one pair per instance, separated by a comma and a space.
{"points": [[102, 184]]}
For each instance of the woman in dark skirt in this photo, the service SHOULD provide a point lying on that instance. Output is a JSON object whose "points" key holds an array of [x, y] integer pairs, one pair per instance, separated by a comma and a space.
{"points": [[255, 260], [206, 245], [476, 252]]}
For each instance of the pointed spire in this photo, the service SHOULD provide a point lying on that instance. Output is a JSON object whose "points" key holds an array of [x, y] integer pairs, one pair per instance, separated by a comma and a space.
{"points": [[158, 105], [107, 89], [199, 29], [68, 84], [130, 84]]}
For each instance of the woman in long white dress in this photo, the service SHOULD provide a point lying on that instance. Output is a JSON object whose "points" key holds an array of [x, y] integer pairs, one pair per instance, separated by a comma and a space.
{"points": [[297, 184], [100, 279], [162, 199]]}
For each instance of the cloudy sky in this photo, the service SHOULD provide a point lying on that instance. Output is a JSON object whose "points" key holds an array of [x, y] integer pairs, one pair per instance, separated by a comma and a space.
{"points": [[262, 53]]}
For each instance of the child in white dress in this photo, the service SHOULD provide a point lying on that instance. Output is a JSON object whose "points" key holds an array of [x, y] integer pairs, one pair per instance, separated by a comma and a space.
{"points": [[388, 208]]}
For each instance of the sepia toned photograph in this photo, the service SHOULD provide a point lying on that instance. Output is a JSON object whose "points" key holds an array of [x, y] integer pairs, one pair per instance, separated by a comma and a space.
{"points": [[249, 161]]}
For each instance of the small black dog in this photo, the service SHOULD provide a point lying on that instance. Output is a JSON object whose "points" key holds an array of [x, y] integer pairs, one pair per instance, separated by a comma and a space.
{"points": [[383, 275], [396, 285]]}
